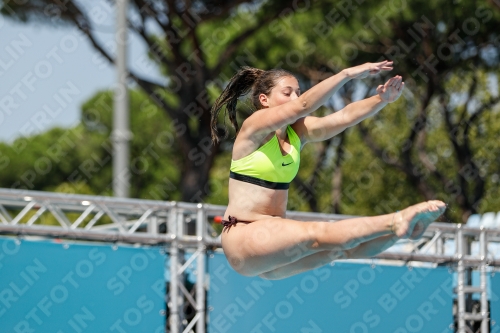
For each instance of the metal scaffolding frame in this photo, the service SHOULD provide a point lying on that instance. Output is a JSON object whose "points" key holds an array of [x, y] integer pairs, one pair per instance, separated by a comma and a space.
{"points": [[149, 222]]}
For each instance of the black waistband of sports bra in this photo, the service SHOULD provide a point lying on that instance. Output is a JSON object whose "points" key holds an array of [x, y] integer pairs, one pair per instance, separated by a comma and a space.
{"points": [[260, 182]]}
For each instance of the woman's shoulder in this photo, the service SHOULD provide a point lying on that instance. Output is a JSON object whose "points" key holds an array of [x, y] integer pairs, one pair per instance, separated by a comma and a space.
{"points": [[244, 145]]}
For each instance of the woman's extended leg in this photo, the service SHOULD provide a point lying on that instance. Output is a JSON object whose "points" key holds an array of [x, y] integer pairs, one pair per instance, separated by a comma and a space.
{"points": [[318, 259], [364, 250], [265, 245]]}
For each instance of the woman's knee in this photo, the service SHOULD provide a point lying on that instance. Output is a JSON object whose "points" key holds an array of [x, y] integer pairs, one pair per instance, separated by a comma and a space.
{"points": [[313, 232], [241, 266]]}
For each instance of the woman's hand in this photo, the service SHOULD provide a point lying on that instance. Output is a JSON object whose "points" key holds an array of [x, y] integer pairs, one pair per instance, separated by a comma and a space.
{"points": [[362, 71], [392, 89]]}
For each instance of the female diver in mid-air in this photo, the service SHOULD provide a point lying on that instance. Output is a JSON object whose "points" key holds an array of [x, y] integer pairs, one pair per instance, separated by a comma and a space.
{"points": [[257, 237]]}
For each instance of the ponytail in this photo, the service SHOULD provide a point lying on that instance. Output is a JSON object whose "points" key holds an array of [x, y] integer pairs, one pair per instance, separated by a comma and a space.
{"points": [[239, 85]]}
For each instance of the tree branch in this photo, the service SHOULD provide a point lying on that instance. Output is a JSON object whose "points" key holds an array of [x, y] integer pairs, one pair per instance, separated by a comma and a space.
{"points": [[460, 154], [475, 116], [201, 71], [149, 7], [377, 151], [172, 35], [418, 124], [82, 23], [232, 47], [337, 176], [153, 47], [480, 184], [472, 90], [309, 186], [218, 8], [426, 162], [424, 157]]}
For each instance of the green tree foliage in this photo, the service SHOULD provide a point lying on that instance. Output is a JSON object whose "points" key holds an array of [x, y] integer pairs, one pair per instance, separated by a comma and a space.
{"points": [[437, 141], [79, 159]]}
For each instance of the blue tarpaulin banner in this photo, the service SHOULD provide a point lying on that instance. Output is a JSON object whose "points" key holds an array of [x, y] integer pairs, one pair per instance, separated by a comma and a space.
{"points": [[67, 287], [345, 297]]}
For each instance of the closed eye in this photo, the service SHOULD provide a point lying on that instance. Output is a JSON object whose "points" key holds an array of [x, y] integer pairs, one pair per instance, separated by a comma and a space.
{"points": [[287, 92]]}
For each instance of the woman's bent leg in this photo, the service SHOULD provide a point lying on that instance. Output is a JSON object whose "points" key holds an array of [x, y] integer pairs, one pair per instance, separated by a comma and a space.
{"points": [[265, 245]]}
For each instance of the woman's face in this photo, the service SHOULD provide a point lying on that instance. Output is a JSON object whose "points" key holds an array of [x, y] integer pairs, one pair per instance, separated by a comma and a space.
{"points": [[286, 89]]}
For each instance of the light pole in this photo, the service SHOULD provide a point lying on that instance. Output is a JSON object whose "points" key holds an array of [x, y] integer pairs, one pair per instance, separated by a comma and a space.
{"points": [[121, 134]]}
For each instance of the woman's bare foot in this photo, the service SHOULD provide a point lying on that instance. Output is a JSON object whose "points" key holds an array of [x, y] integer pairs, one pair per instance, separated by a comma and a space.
{"points": [[412, 221]]}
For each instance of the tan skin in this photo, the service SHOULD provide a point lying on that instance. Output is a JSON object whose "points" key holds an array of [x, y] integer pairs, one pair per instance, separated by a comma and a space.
{"points": [[268, 244]]}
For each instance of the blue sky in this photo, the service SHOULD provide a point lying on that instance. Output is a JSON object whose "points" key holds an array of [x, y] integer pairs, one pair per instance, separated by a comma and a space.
{"points": [[36, 62], [48, 72]]}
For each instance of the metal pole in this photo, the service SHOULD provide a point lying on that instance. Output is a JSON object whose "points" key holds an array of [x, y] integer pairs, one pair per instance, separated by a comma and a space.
{"points": [[460, 280], [440, 246], [121, 134], [200, 270], [152, 226], [485, 325], [468, 278], [180, 232], [174, 322]]}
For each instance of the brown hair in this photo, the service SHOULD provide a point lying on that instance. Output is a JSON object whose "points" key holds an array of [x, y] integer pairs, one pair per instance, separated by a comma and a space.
{"points": [[258, 80]]}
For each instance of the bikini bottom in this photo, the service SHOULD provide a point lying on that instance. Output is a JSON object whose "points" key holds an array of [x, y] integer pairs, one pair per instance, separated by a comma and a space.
{"points": [[232, 221]]}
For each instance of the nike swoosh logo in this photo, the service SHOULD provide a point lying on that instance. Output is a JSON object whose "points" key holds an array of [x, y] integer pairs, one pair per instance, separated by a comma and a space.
{"points": [[283, 164]]}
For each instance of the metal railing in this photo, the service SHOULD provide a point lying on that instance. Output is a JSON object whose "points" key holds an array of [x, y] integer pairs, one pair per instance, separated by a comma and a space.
{"points": [[150, 222]]}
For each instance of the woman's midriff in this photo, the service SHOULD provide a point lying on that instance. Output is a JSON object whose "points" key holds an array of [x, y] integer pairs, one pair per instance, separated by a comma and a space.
{"points": [[248, 202]]}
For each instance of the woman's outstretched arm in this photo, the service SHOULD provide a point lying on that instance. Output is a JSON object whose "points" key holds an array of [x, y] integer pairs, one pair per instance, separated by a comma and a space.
{"points": [[270, 119], [314, 129]]}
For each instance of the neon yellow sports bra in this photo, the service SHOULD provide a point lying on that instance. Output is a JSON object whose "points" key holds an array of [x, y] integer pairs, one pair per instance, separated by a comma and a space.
{"points": [[267, 166]]}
